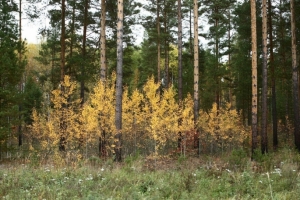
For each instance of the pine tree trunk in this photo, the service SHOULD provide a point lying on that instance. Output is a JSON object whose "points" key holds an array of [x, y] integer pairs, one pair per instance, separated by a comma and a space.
{"points": [[295, 78], [20, 139], [62, 41], [196, 70], [217, 64], [167, 79], [264, 135], [254, 76], [273, 85], [179, 69], [103, 69], [158, 41], [179, 52], [84, 37], [72, 41], [229, 58], [118, 119], [62, 141], [103, 42]]}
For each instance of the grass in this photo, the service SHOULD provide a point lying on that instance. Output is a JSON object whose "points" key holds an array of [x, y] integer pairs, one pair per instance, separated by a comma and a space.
{"points": [[272, 176]]}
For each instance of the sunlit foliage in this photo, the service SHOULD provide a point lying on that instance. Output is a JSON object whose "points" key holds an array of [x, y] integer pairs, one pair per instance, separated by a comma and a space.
{"points": [[153, 120], [63, 120], [223, 126]]}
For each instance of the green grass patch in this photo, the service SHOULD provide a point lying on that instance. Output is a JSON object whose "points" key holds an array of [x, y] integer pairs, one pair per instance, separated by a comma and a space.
{"points": [[191, 178]]}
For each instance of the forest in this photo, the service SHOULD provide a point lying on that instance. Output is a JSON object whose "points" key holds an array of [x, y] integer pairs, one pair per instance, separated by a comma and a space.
{"points": [[208, 78]]}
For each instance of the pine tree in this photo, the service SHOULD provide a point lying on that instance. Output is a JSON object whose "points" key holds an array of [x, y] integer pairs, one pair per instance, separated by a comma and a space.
{"points": [[264, 124], [103, 66], [11, 69], [196, 66], [273, 78], [179, 51], [254, 76], [295, 78]]}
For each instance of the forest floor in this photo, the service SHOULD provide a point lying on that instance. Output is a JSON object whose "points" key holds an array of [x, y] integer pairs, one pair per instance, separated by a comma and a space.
{"points": [[231, 176]]}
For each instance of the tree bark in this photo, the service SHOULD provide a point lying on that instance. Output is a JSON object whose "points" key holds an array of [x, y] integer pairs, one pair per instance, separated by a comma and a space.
{"points": [[254, 76], [62, 41], [179, 52], [158, 41], [179, 68], [196, 70], [273, 80], [103, 69], [103, 66], [264, 135], [20, 139], [295, 78], [84, 37], [118, 119], [62, 141]]}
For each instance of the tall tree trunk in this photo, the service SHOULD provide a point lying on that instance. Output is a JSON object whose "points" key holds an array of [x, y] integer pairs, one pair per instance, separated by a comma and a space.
{"points": [[283, 56], [191, 36], [196, 70], [103, 68], [21, 84], [118, 119], [72, 41], [295, 78], [158, 41], [179, 68], [103, 42], [62, 142], [167, 81], [273, 85], [62, 40], [217, 63], [179, 52], [84, 37], [264, 135], [254, 76], [229, 56]]}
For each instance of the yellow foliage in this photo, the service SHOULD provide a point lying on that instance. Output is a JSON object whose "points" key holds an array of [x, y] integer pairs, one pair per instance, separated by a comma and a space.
{"points": [[99, 112], [160, 113], [187, 114], [63, 120], [133, 119], [149, 115], [223, 126]]}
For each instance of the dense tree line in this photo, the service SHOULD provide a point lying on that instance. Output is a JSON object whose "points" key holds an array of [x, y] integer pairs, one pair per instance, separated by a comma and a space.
{"points": [[247, 61]]}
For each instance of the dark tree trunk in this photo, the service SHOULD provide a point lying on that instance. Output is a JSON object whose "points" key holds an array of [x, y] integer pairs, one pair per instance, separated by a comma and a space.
{"points": [[62, 141], [179, 68], [273, 85], [179, 52], [295, 78], [72, 39], [85, 24], [158, 41], [103, 42], [20, 140], [264, 135]]}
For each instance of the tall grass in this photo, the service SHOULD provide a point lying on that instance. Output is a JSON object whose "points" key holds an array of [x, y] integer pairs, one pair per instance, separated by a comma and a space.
{"points": [[233, 176]]}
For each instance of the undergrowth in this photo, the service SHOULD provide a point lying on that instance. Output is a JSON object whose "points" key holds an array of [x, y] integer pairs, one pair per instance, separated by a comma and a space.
{"points": [[232, 176]]}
